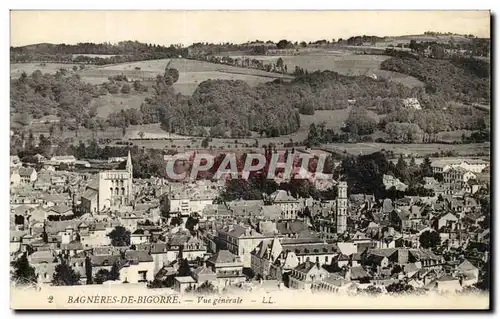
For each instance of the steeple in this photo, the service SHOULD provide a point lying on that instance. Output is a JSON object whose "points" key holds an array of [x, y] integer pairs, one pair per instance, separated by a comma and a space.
{"points": [[128, 166]]}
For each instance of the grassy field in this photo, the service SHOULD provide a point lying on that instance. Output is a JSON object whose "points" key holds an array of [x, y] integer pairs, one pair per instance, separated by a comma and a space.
{"points": [[343, 62], [409, 149], [191, 73], [110, 103], [16, 69]]}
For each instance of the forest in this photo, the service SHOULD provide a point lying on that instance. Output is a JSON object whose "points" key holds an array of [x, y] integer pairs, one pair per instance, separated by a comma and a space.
{"points": [[450, 79], [122, 52], [36, 95]]}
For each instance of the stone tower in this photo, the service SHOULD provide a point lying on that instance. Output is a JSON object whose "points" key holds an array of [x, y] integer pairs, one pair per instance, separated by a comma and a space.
{"points": [[341, 215]]}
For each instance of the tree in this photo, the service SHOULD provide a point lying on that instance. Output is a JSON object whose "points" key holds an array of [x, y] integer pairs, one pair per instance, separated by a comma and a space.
{"points": [[360, 122], [141, 134], [206, 287], [413, 45], [114, 274], [24, 274], [399, 287], [120, 236], [429, 239], [283, 44], [279, 64], [426, 168], [173, 73], [126, 88], [113, 89], [101, 276], [205, 142], [75, 68], [402, 169], [184, 269], [65, 275], [176, 221], [437, 51], [88, 270]]}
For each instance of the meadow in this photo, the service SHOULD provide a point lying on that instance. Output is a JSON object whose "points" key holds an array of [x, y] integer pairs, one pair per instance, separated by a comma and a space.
{"points": [[191, 73], [417, 150], [344, 62]]}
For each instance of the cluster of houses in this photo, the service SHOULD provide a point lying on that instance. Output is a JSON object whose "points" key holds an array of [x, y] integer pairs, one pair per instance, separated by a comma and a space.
{"points": [[180, 236]]}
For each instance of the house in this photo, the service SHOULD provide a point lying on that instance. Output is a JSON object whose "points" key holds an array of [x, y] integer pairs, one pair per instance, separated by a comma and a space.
{"points": [[28, 175], [139, 236], [272, 212], [194, 248], [228, 268], [139, 267], [289, 205], [240, 240], [204, 274], [15, 178], [448, 220], [458, 175], [306, 274], [66, 159], [314, 250], [89, 201], [264, 255], [15, 162], [467, 269], [60, 210], [391, 181], [93, 235], [412, 103]]}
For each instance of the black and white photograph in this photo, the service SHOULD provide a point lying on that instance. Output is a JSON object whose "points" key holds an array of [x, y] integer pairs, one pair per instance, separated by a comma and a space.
{"points": [[250, 160]]}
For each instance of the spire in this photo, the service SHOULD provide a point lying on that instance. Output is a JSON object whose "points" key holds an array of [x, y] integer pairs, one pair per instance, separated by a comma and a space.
{"points": [[128, 166]]}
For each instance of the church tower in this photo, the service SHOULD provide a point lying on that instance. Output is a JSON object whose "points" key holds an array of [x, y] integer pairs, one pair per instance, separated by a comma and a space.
{"points": [[129, 166], [341, 216]]}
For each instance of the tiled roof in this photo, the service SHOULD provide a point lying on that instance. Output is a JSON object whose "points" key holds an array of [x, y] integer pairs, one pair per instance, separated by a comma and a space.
{"points": [[223, 256]]}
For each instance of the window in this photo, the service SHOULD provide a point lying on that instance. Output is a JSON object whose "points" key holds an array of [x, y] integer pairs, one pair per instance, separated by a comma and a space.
{"points": [[142, 275]]}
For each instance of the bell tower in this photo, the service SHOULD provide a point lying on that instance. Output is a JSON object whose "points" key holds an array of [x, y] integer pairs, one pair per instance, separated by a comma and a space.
{"points": [[341, 216]]}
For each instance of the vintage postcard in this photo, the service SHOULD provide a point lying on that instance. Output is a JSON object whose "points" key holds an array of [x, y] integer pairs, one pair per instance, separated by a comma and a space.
{"points": [[242, 160]]}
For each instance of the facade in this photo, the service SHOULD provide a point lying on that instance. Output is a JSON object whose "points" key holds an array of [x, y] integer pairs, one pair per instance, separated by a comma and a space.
{"points": [[305, 275], [114, 189], [458, 175], [240, 241], [288, 204], [227, 267]]}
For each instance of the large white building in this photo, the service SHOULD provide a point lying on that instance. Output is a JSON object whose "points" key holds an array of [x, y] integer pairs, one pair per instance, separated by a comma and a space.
{"points": [[114, 189]]}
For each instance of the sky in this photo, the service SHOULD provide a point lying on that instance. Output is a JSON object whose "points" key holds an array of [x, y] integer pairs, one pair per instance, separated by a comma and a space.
{"points": [[187, 27]]}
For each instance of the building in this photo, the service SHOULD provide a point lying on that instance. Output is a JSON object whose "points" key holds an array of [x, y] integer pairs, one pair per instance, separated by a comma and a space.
{"points": [[240, 241], [227, 267], [66, 159], [341, 214], [458, 175], [15, 161], [27, 175], [114, 189], [288, 204], [391, 181], [306, 274], [412, 103]]}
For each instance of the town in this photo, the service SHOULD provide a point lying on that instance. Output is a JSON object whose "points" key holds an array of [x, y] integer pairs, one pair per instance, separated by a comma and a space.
{"points": [[71, 227], [229, 173]]}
